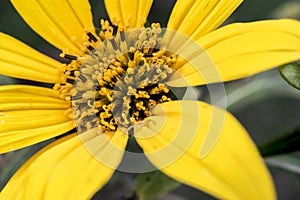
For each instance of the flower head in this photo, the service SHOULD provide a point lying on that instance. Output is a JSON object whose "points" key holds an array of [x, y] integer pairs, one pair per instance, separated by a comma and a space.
{"points": [[121, 81]]}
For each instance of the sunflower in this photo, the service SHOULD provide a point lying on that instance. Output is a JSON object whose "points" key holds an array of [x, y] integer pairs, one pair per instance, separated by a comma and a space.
{"points": [[120, 82]]}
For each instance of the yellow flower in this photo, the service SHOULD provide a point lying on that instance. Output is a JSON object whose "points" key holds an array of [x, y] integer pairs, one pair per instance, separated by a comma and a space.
{"points": [[184, 139]]}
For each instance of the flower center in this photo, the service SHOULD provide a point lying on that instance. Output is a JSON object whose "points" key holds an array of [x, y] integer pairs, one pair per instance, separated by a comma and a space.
{"points": [[120, 79]]}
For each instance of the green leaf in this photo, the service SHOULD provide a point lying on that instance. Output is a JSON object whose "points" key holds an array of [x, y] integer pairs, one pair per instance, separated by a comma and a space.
{"points": [[287, 9], [154, 184], [287, 143], [291, 73], [285, 163]]}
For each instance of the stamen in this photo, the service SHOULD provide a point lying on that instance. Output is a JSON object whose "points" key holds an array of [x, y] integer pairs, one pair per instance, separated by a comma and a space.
{"points": [[114, 44], [121, 81], [68, 56], [83, 78], [91, 37], [147, 55], [131, 55], [90, 48], [76, 97], [122, 36], [71, 81], [72, 73], [115, 30]]}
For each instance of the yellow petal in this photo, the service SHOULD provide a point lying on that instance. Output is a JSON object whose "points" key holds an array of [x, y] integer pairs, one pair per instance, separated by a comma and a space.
{"points": [[61, 22], [16, 120], [64, 170], [240, 50], [30, 114], [197, 18], [178, 140], [13, 140], [129, 12], [23, 97], [21, 61]]}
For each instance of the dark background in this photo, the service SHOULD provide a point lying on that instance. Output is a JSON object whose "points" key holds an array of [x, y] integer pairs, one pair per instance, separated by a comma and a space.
{"points": [[268, 107]]}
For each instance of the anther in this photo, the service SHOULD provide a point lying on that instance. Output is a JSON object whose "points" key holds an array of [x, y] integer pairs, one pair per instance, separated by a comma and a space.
{"points": [[83, 78], [76, 97], [122, 35], [90, 48], [97, 87], [148, 55], [111, 76], [68, 56], [72, 73], [71, 81], [113, 42], [115, 30], [91, 37], [131, 55]]}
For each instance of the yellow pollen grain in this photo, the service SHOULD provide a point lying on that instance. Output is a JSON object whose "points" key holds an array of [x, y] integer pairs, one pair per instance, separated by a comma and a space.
{"points": [[139, 105], [106, 92], [143, 94]]}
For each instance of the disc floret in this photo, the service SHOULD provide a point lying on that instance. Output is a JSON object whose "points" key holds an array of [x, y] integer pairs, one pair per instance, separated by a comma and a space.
{"points": [[121, 78]]}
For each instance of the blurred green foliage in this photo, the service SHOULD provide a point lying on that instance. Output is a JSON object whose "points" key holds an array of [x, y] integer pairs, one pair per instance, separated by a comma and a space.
{"points": [[154, 184], [291, 73]]}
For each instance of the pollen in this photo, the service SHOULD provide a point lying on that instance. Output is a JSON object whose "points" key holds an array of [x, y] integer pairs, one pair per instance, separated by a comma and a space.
{"points": [[119, 80]]}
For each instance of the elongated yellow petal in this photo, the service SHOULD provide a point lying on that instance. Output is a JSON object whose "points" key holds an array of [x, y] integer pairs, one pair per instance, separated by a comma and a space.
{"points": [[30, 114], [178, 140], [23, 97], [64, 170], [16, 120], [61, 22], [21, 61], [129, 12], [240, 50], [197, 18], [104, 146], [12, 140]]}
